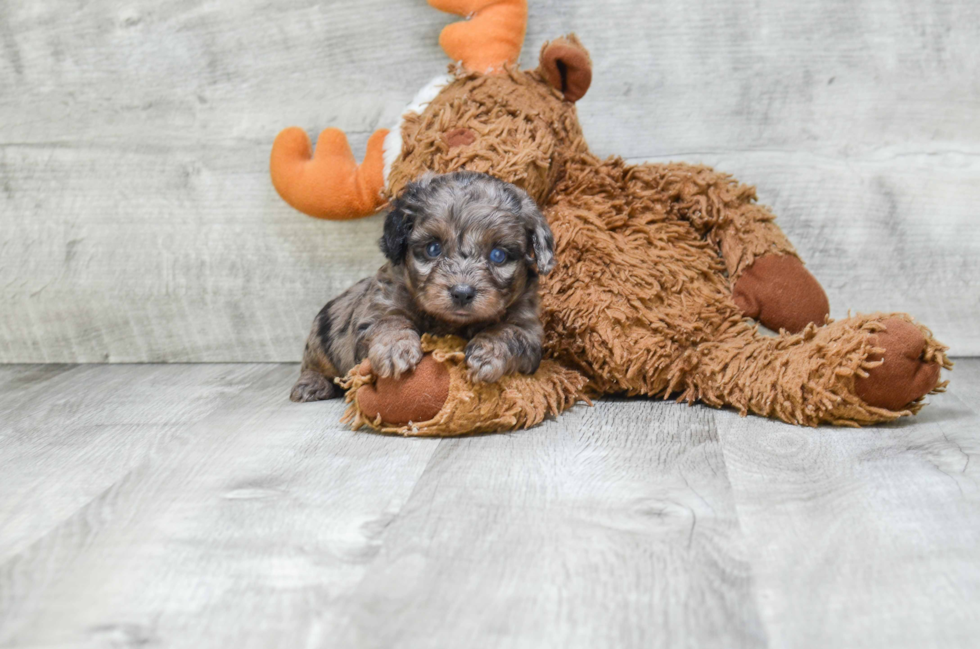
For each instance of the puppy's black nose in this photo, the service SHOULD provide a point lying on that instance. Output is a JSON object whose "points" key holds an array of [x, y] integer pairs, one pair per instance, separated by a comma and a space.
{"points": [[462, 294]]}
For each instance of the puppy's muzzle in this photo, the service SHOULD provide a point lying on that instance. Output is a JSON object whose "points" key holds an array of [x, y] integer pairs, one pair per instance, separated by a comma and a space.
{"points": [[462, 294]]}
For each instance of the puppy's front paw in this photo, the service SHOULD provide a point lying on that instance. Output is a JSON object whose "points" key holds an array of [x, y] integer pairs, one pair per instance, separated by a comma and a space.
{"points": [[395, 354], [487, 358]]}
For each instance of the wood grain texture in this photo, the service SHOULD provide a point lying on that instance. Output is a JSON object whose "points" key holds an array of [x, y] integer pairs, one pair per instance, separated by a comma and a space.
{"points": [[612, 527], [967, 383], [194, 505], [863, 538], [137, 221], [171, 519], [70, 436]]}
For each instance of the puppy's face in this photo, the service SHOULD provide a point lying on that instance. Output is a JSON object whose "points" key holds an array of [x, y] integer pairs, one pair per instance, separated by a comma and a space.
{"points": [[469, 245]]}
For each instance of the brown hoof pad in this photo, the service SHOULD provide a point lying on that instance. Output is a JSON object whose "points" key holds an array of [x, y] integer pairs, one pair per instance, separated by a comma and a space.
{"points": [[779, 292], [414, 397], [904, 376]]}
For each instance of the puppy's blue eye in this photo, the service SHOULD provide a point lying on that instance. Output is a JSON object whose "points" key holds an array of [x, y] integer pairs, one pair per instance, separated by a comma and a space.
{"points": [[433, 250], [498, 256]]}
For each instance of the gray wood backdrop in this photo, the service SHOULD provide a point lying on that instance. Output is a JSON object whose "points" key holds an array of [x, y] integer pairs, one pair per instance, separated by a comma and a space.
{"points": [[137, 221]]}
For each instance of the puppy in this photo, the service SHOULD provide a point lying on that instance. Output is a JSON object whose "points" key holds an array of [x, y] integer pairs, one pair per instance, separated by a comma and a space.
{"points": [[464, 254]]}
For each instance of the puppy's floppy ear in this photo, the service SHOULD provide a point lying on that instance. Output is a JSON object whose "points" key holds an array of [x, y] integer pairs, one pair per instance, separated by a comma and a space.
{"points": [[401, 218], [398, 227], [539, 236]]}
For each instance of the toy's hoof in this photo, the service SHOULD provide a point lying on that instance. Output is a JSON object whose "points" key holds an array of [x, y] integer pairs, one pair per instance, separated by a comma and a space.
{"points": [[780, 293], [415, 397], [904, 376]]}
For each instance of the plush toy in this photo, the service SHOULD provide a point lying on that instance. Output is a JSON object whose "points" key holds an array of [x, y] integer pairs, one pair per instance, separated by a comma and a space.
{"points": [[659, 266]]}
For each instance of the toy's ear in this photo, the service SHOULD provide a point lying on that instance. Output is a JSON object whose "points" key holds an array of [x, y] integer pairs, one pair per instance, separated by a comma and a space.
{"points": [[566, 65], [539, 236]]}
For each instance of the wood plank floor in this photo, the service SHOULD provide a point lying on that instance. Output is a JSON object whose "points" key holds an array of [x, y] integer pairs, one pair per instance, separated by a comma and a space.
{"points": [[195, 506]]}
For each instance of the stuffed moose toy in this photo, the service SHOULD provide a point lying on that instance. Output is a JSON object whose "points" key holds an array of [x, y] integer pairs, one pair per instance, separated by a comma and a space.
{"points": [[660, 268]]}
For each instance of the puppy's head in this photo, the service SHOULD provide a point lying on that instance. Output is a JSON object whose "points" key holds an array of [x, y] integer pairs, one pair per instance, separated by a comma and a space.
{"points": [[469, 245]]}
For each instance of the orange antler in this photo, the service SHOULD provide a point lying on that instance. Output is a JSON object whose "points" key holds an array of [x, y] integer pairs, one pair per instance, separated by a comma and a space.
{"points": [[491, 37], [328, 184]]}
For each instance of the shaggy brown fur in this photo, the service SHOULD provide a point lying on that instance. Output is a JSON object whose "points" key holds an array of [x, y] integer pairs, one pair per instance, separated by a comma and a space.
{"points": [[464, 254], [641, 298], [521, 128]]}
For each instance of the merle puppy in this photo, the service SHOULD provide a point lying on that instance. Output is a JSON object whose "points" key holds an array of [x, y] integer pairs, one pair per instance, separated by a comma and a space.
{"points": [[464, 253]]}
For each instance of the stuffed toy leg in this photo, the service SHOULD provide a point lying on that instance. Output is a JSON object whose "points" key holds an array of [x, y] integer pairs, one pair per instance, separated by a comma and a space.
{"points": [[658, 267], [439, 399]]}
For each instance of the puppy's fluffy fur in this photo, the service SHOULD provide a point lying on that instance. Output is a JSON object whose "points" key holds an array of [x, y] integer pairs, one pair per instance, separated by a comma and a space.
{"points": [[464, 254]]}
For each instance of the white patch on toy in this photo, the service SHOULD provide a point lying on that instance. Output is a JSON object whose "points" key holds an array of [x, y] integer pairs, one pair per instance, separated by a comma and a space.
{"points": [[392, 147]]}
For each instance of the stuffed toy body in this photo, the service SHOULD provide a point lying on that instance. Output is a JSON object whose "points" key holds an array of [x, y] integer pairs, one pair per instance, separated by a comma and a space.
{"points": [[660, 268]]}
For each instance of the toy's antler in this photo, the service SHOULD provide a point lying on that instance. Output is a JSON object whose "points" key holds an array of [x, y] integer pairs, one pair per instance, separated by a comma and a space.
{"points": [[491, 37], [328, 184]]}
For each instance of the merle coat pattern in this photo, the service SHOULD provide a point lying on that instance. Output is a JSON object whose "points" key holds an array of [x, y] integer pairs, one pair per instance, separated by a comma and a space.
{"points": [[464, 252]]}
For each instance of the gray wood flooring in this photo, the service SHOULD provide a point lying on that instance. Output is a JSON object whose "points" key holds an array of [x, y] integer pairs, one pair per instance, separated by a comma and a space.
{"points": [[138, 223], [195, 506]]}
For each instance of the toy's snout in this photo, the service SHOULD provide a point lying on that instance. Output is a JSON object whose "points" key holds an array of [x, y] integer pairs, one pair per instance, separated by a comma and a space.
{"points": [[458, 137]]}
